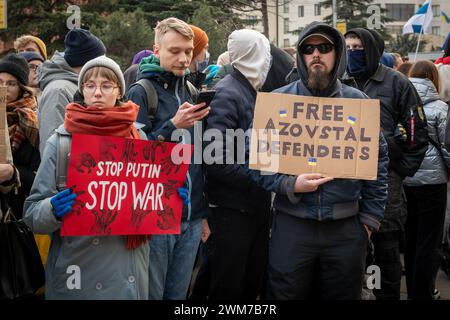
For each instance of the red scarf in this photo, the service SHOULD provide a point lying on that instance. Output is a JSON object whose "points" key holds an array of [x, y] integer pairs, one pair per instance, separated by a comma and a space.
{"points": [[114, 121], [111, 121], [444, 60]]}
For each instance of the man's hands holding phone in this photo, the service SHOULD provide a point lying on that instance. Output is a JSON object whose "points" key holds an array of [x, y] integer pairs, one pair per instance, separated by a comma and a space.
{"points": [[188, 114]]}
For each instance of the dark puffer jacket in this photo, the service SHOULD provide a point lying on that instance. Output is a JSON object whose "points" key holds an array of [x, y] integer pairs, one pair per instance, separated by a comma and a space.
{"points": [[227, 184], [26, 160]]}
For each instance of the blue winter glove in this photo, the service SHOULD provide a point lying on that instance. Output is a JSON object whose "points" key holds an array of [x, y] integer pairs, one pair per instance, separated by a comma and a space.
{"points": [[62, 202], [184, 195]]}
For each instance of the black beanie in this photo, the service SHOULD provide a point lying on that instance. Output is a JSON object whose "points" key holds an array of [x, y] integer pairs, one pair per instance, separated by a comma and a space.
{"points": [[16, 66], [81, 46]]}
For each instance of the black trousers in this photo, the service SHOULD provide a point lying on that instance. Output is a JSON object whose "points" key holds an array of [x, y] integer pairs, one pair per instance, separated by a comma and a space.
{"points": [[237, 253], [386, 242], [311, 259], [387, 258], [200, 287], [424, 229]]}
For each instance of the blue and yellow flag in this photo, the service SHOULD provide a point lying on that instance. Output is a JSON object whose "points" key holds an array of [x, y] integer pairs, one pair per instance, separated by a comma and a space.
{"points": [[445, 17], [351, 120], [312, 161]]}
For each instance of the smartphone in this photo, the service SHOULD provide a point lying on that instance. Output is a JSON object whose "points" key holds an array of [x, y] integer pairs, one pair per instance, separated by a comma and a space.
{"points": [[205, 96]]}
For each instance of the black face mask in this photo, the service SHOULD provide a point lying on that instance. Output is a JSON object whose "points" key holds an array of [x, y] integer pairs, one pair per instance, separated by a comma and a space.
{"points": [[356, 62]]}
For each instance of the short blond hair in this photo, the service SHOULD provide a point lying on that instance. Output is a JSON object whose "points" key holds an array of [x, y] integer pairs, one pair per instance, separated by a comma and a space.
{"points": [[177, 25], [21, 42]]}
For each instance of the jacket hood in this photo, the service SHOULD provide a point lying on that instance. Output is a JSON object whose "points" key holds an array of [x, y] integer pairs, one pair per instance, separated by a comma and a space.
{"points": [[426, 89], [250, 54], [341, 57], [56, 69], [373, 45], [282, 64]]}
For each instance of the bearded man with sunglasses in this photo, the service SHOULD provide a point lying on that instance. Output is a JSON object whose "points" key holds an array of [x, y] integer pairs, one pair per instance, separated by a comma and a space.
{"points": [[318, 245]]}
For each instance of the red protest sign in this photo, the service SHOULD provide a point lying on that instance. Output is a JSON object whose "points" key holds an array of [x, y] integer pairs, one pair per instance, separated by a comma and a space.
{"points": [[125, 186]]}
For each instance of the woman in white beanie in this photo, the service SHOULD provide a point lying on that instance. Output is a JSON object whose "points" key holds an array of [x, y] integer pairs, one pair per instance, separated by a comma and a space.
{"points": [[110, 267]]}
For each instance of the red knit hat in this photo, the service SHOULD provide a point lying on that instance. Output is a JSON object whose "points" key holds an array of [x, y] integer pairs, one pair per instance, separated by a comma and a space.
{"points": [[200, 40]]}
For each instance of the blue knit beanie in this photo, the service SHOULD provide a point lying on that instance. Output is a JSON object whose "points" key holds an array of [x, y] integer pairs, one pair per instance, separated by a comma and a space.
{"points": [[30, 56], [81, 46], [387, 59]]}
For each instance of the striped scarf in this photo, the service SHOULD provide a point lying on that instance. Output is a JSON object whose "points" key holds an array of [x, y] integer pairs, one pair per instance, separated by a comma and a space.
{"points": [[22, 122]]}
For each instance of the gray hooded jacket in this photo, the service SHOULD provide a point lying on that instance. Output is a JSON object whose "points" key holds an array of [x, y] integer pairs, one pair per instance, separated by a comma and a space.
{"points": [[436, 163], [107, 269], [58, 83]]}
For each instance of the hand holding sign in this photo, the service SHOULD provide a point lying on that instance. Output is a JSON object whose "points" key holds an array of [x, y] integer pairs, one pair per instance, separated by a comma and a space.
{"points": [[184, 195], [6, 172], [62, 202], [309, 182]]}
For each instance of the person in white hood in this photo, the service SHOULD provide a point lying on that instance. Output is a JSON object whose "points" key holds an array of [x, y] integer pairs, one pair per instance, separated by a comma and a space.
{"points": [[239, 210]]}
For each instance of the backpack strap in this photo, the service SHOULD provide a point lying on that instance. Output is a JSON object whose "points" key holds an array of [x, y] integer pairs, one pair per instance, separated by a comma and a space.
{"points": [[152, 97], [62, 160]]}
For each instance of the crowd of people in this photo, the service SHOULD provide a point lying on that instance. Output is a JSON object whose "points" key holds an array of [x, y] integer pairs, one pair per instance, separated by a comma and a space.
{"points": [[252, 236]]}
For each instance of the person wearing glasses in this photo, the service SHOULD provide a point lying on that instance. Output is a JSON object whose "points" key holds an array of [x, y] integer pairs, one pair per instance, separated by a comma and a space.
{"points": [[319, 237], [111, 267], [404, 126], [34, 61], [21, 113]]}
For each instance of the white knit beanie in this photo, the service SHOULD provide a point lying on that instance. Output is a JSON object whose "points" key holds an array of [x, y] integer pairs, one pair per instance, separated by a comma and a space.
{"points": [[103, 61]]}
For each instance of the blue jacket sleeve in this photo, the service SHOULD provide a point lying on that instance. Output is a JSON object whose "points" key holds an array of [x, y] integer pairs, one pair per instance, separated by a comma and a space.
{"points": [[270, 181]]}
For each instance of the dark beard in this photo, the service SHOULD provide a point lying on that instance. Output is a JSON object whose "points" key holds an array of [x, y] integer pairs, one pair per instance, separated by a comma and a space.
{"points": [[318, 79]]}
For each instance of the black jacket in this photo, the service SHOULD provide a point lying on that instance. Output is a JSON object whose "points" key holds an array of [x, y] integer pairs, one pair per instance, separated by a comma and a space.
{"points": [[26, 160], [400, 107], [282, 64], [228, 185]]}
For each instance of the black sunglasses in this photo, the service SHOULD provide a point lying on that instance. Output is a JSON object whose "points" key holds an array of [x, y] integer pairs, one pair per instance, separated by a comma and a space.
{"points": [[322, 47]]}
